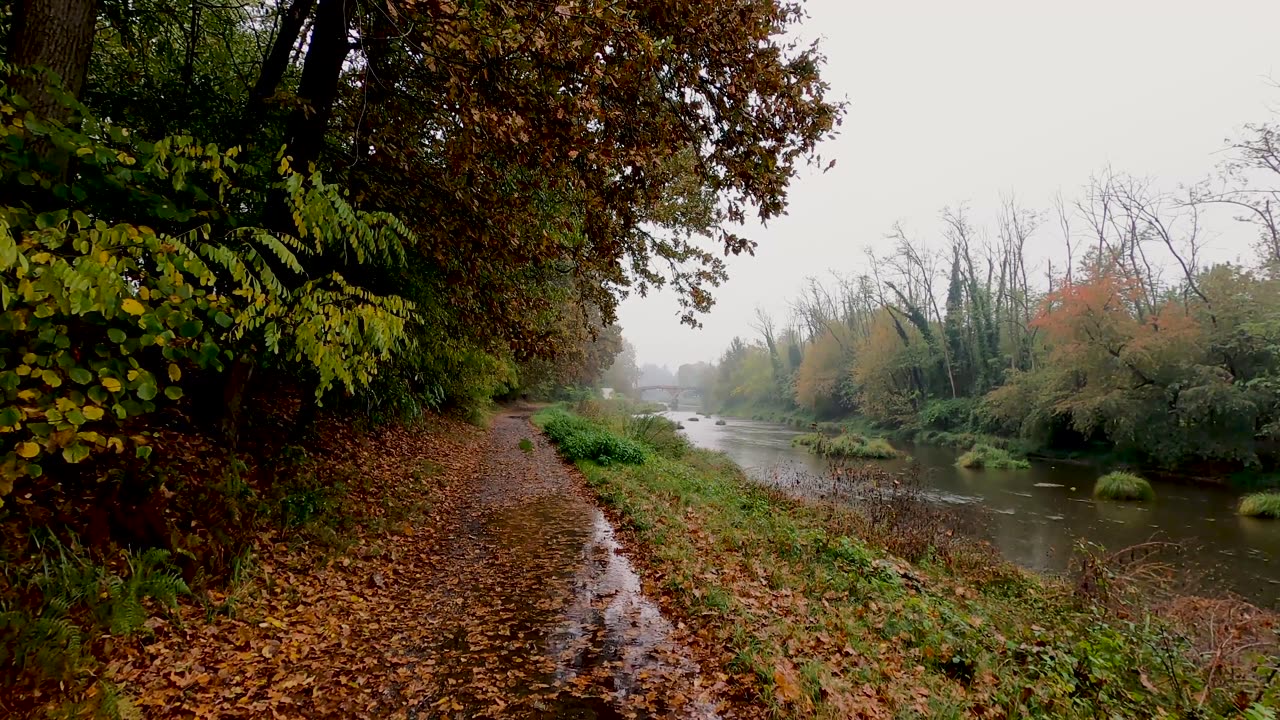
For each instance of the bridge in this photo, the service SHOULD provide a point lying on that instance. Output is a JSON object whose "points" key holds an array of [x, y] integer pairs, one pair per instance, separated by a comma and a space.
{"points": [[672, 393]]}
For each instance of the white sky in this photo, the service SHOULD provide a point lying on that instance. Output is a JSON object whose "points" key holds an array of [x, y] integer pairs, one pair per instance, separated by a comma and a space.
{"points": [[953, 102]]}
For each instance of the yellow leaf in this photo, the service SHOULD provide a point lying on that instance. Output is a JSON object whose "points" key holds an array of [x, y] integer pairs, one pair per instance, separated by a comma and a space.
{"points": [[111, 384], [28, 449], [133, 307], [93, 412], [175, 372]]}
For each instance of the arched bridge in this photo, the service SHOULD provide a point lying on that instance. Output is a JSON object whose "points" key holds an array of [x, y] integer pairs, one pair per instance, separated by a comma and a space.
{"points": [[674, 392]]}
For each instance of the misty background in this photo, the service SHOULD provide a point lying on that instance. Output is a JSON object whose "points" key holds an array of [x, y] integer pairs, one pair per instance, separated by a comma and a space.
{"points": [[967, 104]]}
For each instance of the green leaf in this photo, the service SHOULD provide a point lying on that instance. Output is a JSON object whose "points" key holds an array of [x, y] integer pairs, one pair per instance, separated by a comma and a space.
{"points": [[147, 390], [75, 453], [222, 319], [143, 451], [10, 416], [81, 376], [173, 392], [190, 328], [117, 335]]}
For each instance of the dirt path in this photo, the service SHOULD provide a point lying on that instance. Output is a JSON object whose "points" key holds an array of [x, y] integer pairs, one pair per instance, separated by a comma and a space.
{"points": [[543, 617], [477, 581]]}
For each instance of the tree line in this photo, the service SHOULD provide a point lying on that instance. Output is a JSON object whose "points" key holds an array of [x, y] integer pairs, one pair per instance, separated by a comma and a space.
{"points": [[1123, 337], [367, 204]]}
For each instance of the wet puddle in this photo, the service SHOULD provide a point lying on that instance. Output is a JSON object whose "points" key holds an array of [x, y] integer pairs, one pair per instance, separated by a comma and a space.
{"points": [[549, 621], [613, 633]]}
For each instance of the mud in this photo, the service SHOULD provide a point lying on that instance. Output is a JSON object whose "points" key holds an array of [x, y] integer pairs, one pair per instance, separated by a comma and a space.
{"points": [[542, 616]]}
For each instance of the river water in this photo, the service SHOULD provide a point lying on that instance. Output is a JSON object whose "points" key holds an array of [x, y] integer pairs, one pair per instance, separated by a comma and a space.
{"points": [[1037, 515]]}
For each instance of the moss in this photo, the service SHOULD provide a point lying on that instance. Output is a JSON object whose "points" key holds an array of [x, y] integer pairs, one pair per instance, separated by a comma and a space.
{"points": [[1261, 505], [1123, 486], [985, 456]]}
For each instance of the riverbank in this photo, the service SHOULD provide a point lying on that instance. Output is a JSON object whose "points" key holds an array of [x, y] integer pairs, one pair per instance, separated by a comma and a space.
{"points": [[1103, 458], [822, 620]]}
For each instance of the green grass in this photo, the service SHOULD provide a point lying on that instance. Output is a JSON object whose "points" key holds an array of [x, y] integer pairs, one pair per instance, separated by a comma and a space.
{"points": [[982, 456], [1261, 505], [811, 613], [580, 439], [848, 445], [526, 445], [1123, 486]]}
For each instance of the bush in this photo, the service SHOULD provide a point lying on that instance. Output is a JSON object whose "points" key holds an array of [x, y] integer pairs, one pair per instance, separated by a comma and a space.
{"points": [[985, 456], [579, 439], [1262, 505], [848, 445], [952, 414], [1123, 486]]}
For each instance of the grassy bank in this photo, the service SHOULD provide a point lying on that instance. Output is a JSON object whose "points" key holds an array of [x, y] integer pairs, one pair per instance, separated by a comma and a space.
{"points": [[820, 620]]}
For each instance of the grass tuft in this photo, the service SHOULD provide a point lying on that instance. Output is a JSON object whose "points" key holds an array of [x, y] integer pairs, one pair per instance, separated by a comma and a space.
{"points": [[983, 456], [848, 445], [1261, 505], [1123, 486]]}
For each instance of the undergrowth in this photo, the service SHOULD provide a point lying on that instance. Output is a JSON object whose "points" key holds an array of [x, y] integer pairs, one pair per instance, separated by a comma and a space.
{"points": [[69, 602], [579, 439]]}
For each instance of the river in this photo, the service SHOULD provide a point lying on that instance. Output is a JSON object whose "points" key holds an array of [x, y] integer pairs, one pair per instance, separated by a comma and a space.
{"points": [[1037, 515]]}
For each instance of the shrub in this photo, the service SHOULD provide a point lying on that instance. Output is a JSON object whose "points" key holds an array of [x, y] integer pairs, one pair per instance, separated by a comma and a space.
{"points": [[1263, 505], [1123, 486], [951, 414], [986, 456], [579, 439], [848, 445]]}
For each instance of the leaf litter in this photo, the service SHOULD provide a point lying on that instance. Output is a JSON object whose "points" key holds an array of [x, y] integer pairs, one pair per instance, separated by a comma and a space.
{"points": [[503, 595]]}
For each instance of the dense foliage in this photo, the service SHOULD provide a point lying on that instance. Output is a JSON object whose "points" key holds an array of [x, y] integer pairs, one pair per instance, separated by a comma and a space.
{"points": [[389, 206]]}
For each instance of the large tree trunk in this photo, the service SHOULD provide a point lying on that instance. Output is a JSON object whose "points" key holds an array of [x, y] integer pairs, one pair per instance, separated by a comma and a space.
{"points": [[57, 35]]}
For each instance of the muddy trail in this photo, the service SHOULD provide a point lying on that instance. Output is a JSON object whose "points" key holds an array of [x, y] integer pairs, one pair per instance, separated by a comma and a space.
{"points": [[497, 591], [541, 616]]}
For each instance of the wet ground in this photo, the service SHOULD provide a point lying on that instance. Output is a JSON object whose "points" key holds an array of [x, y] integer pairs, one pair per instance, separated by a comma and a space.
{"points": [[541, 616]]}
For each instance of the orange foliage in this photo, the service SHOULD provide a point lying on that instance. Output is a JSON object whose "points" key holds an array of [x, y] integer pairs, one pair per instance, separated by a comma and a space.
{"points": [[884, 367], [825, 361]]}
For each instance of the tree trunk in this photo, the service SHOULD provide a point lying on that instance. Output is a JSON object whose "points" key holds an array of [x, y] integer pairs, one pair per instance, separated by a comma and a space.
{"points": [[57, 35], [276, 63], [321, 76]]}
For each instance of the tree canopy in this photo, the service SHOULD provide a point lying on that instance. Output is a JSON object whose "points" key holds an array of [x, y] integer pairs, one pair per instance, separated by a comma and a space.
{"points": [[393, 205]]}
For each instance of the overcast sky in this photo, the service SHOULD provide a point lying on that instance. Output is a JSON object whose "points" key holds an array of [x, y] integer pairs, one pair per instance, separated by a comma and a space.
{"points": [[962, 102]]}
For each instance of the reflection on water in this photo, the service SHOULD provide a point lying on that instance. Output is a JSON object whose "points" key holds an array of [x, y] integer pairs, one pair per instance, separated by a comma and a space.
{"points": [[1039, 513]]}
